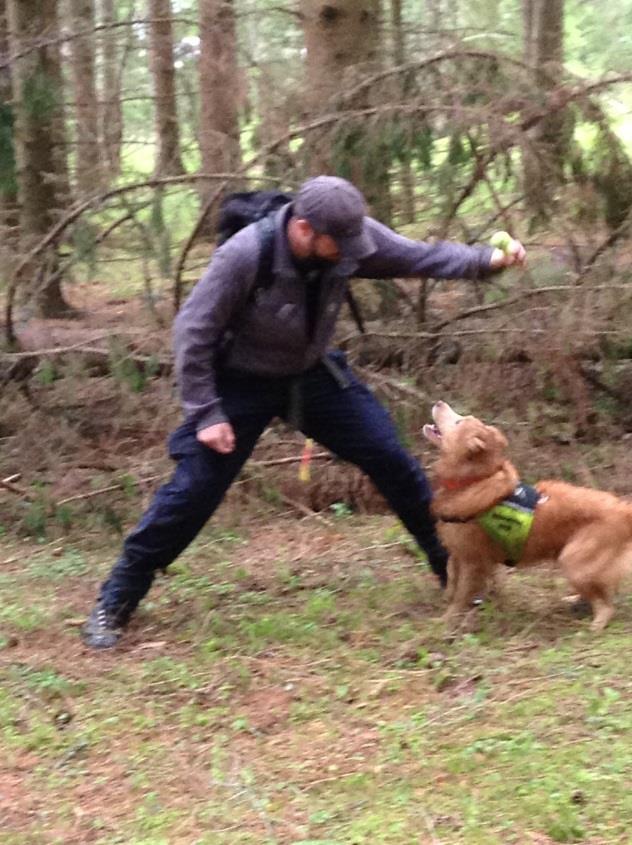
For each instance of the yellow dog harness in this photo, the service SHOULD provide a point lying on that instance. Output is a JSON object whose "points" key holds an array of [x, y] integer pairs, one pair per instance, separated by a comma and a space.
{"points": [[509, 522]]}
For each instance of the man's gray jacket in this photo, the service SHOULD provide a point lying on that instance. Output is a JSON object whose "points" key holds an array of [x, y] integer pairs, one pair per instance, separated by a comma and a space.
{"points": [[270, 333]]}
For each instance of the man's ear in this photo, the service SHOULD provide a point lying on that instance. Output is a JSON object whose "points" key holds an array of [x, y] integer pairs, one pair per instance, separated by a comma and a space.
{"points": [[303, 226]]}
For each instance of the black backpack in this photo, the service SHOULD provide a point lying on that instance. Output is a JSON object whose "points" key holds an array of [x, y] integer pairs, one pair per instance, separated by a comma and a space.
{"points": [[245, 207]]}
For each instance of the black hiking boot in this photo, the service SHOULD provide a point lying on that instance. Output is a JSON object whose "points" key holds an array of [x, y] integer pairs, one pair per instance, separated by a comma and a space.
{"points": [[103, 628]]}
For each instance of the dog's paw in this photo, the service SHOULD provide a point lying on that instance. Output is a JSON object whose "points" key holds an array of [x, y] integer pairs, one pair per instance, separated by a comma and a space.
{"points": [[457, 622], [577, 605]]}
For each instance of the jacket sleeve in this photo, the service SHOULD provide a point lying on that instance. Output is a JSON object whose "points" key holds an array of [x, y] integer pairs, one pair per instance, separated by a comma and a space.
{"points": [[396, 255], [202, 321]]}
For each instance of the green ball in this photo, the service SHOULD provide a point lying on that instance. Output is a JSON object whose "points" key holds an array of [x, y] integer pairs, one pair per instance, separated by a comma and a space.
{"points": [[501, 240]]}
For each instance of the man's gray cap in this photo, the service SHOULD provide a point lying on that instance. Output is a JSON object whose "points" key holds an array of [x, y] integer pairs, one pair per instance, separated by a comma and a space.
{"points": [[332, 206]]}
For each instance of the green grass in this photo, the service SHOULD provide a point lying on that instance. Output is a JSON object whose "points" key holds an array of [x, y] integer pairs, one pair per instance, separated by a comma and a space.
{"points": [[270, 692]]}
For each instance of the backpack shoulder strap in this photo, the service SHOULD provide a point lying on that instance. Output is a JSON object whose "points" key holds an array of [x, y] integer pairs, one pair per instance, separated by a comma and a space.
{"points": [[355, 310], [263, 276], [266, 232]]}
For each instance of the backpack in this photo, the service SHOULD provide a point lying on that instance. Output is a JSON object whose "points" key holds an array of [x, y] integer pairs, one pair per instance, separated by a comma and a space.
{"points": [[242, 208]]}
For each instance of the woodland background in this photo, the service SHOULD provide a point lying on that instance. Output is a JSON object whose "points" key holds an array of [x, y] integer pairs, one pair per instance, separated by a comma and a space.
{"points": [[124, 124]]}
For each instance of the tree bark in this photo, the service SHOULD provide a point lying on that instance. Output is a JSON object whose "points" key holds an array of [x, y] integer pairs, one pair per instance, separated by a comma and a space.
{"points": [[169, 159], [37, 97], [406, 170], [545, 154], [274, 106], [342, 39], [111, 112], [8, 181], [87, 148], [219, 89]]}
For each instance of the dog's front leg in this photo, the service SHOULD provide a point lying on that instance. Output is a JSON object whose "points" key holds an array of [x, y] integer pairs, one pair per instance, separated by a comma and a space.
{"points": [[468, 579], [453, 574]]}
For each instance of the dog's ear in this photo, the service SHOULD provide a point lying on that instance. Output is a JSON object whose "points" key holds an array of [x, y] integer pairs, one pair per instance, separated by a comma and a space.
{"points": [[501, 440], [475, 445]]}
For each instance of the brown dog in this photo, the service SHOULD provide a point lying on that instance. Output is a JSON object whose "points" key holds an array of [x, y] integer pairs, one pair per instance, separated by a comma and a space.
{"points": [[487, 518]]}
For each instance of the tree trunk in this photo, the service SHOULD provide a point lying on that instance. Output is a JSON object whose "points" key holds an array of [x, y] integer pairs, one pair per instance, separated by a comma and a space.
{"points": [[546, 152], [111, 112], [8, 183], [219, 90], [274, 108], [452, 14], [342, 38], [38, 96], [406, 170], [88, 154], [432, 9], [169, 159]]}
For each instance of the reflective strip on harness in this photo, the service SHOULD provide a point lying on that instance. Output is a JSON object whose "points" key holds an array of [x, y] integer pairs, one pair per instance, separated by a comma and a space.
{"points": [[509, 522]]}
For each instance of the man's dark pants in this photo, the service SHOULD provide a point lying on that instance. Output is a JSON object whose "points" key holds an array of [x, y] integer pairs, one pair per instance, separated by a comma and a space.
{"points": [[348, 420]]}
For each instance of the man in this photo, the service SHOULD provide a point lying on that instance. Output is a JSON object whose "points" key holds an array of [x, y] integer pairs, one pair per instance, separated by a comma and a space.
{"points": [[244, 357]]}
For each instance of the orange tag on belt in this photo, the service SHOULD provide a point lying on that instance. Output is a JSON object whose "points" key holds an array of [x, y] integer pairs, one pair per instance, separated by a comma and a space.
{"points": [[306, 457]]}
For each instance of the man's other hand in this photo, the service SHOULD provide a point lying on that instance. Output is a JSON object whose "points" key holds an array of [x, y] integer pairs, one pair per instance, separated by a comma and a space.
{"points": [[515, 254], [219, 437]]}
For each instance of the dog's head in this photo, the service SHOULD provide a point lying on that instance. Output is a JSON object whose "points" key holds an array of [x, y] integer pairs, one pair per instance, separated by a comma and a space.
{"points": [[468, 446]]}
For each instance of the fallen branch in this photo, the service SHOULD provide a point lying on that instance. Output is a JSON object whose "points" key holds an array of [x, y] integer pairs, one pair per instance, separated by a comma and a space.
{"points": [[292, 460], [19, 366], [7, 484], [299, 506], [91, 494], [110, 489], [56, 350], [406, 389]]}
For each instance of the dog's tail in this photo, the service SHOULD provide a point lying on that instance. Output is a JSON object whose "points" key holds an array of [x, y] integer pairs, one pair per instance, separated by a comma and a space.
{"points": [[625, 558], [628, 508]]}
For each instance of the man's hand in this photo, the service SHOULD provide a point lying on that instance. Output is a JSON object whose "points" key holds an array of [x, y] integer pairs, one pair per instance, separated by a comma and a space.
{"points": [[219, 437], [512, 252]]}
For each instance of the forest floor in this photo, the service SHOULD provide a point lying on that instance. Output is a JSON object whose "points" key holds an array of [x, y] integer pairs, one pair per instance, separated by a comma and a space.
{"points": [[290, 682]]}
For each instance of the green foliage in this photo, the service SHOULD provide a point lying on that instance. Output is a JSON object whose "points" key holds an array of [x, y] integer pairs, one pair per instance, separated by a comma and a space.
{"points": [[71, 563], [161, 235], [22, 616], [84, 239], [458, 152], [422, 142], [598, 36], [46, 373], [612, 175], [46, 681], [36, 516], [110, 518], [340, 509], [125, 369], [8, 180], [41, 96], [129, 485]]}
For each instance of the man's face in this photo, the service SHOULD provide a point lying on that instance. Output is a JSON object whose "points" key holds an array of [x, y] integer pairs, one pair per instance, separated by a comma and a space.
{"points": [[307, 243], [324, 246]]}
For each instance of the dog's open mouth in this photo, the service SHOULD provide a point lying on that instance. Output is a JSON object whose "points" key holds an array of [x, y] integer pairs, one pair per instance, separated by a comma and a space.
{"points": [[432, 433], [445, 418]]}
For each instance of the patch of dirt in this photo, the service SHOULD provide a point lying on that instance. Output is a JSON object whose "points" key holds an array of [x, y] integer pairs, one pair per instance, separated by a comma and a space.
{"points": [[17, 804]]}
